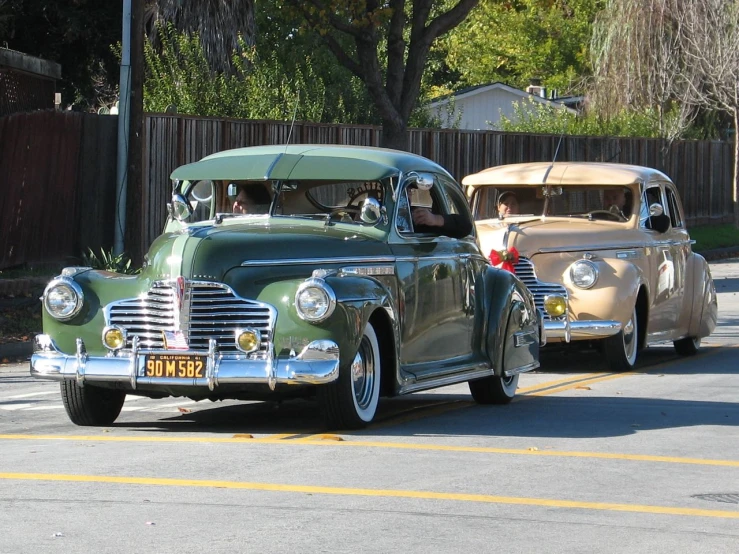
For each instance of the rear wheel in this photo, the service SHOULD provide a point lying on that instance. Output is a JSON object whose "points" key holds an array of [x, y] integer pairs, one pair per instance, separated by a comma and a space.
{"points": [[351, 401], [688, 346], [494, 389], [89, 405], [620, 350]]}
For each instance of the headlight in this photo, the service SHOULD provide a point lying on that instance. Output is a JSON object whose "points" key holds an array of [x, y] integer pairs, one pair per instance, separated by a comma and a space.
{"points": [[584, 274], [63, 298], [314, 300]]}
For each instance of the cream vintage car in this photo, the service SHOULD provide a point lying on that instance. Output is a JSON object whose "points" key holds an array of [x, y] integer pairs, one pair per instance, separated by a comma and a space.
{"points": [[603, 248]]}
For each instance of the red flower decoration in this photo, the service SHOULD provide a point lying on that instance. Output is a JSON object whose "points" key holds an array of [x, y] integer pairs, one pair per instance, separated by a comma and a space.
{"points": [[505, 259]]}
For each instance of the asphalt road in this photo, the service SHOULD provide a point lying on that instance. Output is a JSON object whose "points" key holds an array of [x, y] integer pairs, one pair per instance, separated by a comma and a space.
{"points": [[582, 460]]}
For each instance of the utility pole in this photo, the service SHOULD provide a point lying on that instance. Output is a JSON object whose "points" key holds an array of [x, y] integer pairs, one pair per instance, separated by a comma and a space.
{"points": [[130, 129], [135, 200], [124, 113]]}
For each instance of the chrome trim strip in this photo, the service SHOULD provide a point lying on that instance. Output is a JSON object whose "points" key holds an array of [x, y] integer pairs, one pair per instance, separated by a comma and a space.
{"points": [[523, 369], [553, 249], [367, 271], [477, 371], [524, 338], [318, 261]]}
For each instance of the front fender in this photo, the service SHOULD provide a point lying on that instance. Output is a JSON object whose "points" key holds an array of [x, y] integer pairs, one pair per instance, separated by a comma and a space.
{"points": [[613, 296], [511, 335]]}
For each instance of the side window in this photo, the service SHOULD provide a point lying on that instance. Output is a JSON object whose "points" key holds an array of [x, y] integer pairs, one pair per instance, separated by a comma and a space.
{"points": [[653, 195], [404, 222], [457, 203], [676, 216]]}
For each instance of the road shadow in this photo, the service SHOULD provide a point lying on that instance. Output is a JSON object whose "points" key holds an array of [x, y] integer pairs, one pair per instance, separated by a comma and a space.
{"points": [[580, 415]]}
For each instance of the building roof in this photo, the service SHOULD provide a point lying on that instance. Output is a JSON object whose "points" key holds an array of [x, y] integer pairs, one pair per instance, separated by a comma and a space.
{"points": [[481, 89]]}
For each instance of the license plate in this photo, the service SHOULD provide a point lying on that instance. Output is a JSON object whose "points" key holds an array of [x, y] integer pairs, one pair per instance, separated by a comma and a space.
{"points": [[178, 366]]}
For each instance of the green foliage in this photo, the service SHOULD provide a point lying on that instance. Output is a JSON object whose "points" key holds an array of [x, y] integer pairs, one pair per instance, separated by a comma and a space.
{"points": [[261, 88], [517, 40], [108, 261], [533, 117], [709, 237]]}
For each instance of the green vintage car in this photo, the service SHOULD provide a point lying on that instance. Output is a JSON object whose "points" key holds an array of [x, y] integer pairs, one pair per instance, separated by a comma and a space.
{"points": [[289, 271]]}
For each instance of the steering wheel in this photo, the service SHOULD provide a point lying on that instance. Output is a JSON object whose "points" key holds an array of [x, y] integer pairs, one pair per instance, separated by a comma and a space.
{"points": [[345, 214], [606, 214]]}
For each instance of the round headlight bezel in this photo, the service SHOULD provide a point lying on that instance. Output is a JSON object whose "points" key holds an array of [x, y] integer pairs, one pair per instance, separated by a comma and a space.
{"points": [[311, 286], [71, 286], [590, 267]]}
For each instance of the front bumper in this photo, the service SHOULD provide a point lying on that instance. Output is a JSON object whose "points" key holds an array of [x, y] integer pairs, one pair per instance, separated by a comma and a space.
{"points": [[317, 364], [564, 330]]}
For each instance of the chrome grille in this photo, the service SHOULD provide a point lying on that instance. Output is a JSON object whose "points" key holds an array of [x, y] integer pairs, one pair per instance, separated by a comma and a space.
{"points": [[208, 311], [525, 272]]}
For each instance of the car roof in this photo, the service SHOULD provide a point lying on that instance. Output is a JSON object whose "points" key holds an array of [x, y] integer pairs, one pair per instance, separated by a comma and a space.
{"points": [[564, 173], [306, 161]]}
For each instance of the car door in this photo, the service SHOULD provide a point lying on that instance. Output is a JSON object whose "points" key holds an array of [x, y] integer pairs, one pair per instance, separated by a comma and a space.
{"points": [[660, 266], [435, 293], [679, 244]]}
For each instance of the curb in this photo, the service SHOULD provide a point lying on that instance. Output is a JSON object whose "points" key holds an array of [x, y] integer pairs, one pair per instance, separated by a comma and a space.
{"points": [[15, 350], [720, 253]]}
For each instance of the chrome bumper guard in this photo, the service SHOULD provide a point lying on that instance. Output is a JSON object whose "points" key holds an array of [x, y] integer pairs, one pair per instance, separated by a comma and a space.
{"points": [[577, 330], [317, 364]]}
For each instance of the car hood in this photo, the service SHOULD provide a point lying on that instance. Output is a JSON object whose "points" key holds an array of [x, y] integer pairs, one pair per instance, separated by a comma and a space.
{"points": [[560, 234], [208, 252]]}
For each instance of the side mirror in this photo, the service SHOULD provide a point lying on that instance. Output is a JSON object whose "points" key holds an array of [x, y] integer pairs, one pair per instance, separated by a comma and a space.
{"points": [[371, 211], [181, 209], [424, 181]]}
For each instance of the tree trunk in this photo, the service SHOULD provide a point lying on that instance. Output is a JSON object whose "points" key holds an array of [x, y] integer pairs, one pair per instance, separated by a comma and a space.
{"points": [[394, 135], [735, 195]]}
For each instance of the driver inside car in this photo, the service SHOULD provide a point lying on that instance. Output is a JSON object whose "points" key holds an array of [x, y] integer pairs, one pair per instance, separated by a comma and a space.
{"points": [[456, 226], [615, 201]]}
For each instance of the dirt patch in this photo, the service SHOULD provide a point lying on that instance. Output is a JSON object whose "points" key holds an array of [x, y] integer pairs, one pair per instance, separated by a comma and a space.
{"points": [[20, 308]]}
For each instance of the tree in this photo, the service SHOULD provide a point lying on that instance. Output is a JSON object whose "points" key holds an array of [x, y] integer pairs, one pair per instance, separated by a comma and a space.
{"points": [[223, 26], [386, 45], [78, 34], [517, 40], [639, 64], [709, 37]]}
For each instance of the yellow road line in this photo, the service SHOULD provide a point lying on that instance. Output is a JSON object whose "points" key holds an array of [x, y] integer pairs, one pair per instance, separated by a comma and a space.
{"points": [[567, 380], [323, 440], [386, 493]]}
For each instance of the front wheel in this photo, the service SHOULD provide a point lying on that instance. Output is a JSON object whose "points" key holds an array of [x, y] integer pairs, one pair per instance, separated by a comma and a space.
{"points": [[89, 405], [351, 401], [494, 389], [620, 350], [688, 346]]}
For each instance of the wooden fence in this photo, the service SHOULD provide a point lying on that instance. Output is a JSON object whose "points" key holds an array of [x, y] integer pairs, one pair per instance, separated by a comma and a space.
{"points": [[57, 170], [702, 170], [57, 185]]}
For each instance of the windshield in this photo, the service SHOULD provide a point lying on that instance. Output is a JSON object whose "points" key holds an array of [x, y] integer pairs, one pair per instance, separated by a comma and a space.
{"points": [[338, 201], [592, 202]]}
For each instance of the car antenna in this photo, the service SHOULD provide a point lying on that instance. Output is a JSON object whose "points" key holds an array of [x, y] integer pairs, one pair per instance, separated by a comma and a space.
{"points": [[292, 123]]}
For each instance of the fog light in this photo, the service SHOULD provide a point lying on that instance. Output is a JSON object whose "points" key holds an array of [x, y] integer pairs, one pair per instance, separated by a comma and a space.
{"points": [[248, 340], [555, 305], [114, 338]]}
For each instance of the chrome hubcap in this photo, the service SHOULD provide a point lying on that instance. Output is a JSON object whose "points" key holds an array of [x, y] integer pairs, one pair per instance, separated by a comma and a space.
{"points": [[630, 338], [363, 375]]}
